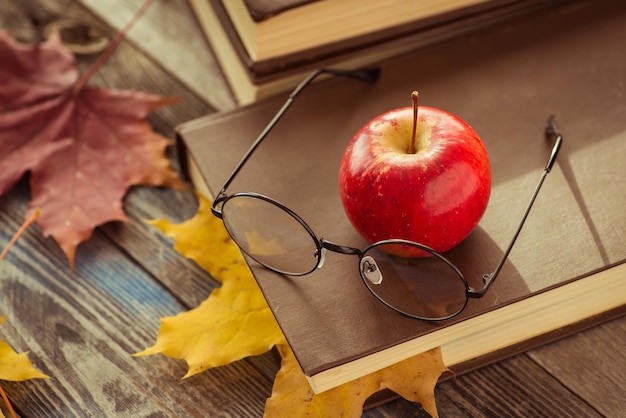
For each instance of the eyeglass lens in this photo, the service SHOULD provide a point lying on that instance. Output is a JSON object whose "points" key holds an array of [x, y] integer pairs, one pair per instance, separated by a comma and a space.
{"points": [[270, 235], [426, 287]]}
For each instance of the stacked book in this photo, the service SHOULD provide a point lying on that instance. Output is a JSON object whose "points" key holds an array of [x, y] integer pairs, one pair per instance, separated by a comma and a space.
{"points": [[267, 47], [568, 268]]}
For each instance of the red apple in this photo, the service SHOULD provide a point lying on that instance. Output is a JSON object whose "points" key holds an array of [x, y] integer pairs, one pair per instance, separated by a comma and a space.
{"points": [[420, 174]]}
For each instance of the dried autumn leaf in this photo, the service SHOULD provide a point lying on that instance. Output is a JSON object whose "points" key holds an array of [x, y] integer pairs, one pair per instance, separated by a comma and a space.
{"points": [[235, 321], [84, 146], [14, 366], [414, 379]]}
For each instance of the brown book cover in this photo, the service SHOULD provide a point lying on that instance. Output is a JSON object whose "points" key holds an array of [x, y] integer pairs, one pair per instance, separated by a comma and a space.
{"points": [[568, 263], [264, 9]]}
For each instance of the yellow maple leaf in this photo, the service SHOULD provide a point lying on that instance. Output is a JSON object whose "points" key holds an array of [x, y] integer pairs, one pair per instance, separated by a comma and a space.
{"points": [[414, 379], [14, 366], [235, 321]]}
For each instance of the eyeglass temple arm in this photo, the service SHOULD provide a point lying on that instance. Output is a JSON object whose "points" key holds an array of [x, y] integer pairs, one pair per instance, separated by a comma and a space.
{"points": [[553, 133], [369, 75]]}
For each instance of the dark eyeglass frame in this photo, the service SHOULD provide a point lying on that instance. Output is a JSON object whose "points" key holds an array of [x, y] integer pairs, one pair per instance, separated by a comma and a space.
{"points": [[370, 76]]}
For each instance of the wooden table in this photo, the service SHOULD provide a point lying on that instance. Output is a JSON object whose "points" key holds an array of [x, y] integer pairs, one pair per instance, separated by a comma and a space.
{"points": [[81, 326]]}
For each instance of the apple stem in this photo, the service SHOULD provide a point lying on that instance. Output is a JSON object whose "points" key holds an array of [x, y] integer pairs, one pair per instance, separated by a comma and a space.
{"points": [[414, 99]]}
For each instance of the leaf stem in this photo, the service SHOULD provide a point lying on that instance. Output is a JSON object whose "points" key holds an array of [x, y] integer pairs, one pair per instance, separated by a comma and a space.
{"points": [[20, 231], [111, 47], [414, 99], [5, 398]]}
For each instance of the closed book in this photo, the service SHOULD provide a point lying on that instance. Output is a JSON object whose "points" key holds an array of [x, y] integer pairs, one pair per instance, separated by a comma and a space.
{"points": [[252, 76], [287, 29], [567, 267]]}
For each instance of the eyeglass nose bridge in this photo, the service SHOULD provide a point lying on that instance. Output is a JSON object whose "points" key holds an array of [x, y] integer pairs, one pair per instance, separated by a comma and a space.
{"points": [[341, 249], [336, 248]]}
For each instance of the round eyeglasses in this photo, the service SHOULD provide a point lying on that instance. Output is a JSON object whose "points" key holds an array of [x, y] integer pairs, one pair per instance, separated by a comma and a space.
{"points": [[429, 288], [277, 238]]}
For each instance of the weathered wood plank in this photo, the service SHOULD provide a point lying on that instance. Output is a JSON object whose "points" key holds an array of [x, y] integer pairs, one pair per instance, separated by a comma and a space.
{"points": [[590, 366], [188, 283], [92, 325], [14, 21], [169, 34], [516, 387], [141, 73], [83, 326]]}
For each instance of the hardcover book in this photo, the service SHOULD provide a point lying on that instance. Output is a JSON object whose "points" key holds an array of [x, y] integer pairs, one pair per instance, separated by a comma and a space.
{"points": [[305, 35], [567, 269]]}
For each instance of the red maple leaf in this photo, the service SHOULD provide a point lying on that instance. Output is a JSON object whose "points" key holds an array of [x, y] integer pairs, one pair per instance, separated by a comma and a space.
{"points": [[84, 146]]}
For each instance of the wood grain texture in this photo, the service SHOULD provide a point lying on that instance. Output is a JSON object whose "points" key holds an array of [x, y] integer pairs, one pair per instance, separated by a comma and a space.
{"points": [[166, 35], [82, 326], [516, 387], [581, 362]]}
